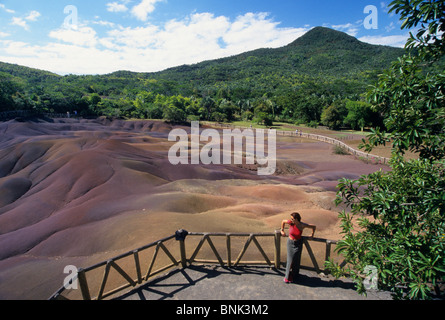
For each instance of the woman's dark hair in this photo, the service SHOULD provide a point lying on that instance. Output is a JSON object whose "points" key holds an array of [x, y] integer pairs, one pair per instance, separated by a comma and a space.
{"points": [[296, 216]]}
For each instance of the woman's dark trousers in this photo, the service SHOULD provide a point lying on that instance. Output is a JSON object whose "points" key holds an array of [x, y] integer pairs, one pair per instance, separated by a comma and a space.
{"points": [[294, 249]]}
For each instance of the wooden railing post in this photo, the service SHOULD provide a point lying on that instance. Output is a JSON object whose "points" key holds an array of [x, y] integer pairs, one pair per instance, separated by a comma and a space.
{"points": [[138, 265], [277, 238], [180, 236], [83, 285], [229, 250], [183, 253], [328, 250]]}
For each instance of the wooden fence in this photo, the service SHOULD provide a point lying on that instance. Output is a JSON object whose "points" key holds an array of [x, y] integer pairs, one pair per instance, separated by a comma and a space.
{"points": [[359, 154], [136, 267]]}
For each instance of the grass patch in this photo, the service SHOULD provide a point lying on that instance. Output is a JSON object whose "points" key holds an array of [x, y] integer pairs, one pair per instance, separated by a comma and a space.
{"points": [[340, 150]]}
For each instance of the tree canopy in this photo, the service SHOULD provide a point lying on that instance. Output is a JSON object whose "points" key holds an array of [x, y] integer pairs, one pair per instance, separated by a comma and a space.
{"points": [[294, 83], [401, 224]]}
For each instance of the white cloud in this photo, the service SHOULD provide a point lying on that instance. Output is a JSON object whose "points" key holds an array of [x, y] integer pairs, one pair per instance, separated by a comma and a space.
{"points": [[4, 34], [393, 41], [104, 23], [140, 37], [203, 36], [16, 21], [33, 16], [61, 58], [22, 22], [19, 49], [82, 36], [350, 28], [149, 48], [2, 6], [116, 7], [252, 31], [143, 9]]}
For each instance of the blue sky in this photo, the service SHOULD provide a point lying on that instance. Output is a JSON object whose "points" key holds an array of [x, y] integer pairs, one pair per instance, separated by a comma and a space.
{"points": [[102, 36]]}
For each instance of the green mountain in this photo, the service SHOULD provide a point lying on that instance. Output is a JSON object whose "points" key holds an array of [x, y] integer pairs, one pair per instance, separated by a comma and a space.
{"points": [[320, 52], [299, 81], [34, 75]]}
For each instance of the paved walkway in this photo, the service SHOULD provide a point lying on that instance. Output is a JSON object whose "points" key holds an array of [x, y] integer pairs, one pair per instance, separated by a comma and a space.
{"points": [[246, 283]]}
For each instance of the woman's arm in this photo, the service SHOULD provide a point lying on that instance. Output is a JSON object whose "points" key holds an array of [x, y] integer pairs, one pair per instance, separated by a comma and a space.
{"points": [[283, 224], [313, 227]]}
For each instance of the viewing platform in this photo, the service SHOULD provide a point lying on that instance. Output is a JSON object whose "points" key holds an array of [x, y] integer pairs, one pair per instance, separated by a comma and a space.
{"points": [[201, 266]]}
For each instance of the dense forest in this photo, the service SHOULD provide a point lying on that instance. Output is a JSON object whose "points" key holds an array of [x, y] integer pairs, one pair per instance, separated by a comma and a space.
{"points": [[322, 77]]}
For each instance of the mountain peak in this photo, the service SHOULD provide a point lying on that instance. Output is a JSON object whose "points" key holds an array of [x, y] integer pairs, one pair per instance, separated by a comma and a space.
{"points": [[320, 36]]}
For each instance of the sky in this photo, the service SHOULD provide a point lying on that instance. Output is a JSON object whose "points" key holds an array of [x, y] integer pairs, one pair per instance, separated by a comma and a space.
{"points": [[103, 36]]}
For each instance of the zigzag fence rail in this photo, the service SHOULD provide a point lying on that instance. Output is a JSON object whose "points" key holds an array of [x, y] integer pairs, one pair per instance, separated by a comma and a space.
{"points": [[180, 250]]}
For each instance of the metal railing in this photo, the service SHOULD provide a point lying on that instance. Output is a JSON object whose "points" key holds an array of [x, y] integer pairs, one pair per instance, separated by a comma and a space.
{"points": [[136, 267]]}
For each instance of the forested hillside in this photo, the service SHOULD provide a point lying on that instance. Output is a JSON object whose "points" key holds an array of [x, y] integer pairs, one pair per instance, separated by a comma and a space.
{"points": [[320, 77]]}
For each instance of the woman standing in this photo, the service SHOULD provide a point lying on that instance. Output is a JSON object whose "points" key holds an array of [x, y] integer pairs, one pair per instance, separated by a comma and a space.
{"points": [[294, 244]]}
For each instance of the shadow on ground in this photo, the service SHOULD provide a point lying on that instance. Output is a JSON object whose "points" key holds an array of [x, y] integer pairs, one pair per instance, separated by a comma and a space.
{"points": [[246, 283]]}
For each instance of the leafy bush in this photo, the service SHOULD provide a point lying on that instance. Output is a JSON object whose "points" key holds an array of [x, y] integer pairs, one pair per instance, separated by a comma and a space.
{"points": [[341, 150], [313, 124]]}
